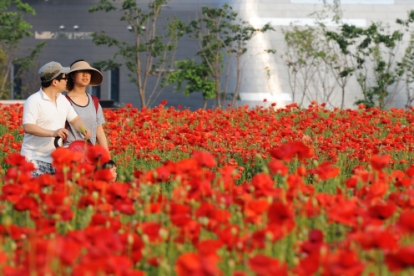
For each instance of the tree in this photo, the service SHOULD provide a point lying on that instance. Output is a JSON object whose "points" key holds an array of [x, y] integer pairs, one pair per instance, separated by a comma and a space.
{"points": [[407, 63], [151, 53], [222, 38], [317, 68], [197, 78], [377, 65], [370, 54], [13, 30], [302, 59]]}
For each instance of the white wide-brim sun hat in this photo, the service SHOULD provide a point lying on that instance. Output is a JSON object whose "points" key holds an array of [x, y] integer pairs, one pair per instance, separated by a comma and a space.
{"points": [[96, 76]]}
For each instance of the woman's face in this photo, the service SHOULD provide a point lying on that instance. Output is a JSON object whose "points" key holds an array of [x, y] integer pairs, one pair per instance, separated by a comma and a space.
{"points": [[82, 78]]}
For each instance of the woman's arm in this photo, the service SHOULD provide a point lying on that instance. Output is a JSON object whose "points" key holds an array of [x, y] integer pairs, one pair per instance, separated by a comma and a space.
{"points": [[101, 137], [79, 126]]}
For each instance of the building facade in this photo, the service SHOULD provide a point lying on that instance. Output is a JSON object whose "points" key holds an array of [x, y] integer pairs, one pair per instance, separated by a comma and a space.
{"points": [[66, 26]]}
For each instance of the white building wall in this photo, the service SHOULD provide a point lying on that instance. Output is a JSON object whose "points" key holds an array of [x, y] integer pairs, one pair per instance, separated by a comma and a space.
{"points": [[256, 85]]}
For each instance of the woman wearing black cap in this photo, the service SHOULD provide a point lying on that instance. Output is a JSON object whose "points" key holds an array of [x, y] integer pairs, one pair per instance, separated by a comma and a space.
{"points": [[81, 75]]}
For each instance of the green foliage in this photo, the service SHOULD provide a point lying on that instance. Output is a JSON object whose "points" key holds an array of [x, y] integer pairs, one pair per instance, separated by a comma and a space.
{"points": [[197, 79], [151, 55], [369, 54], [13, 30], [222, 37]]}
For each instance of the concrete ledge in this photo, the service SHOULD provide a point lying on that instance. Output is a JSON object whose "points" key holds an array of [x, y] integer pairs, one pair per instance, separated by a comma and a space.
{"points": [[9, 102]]}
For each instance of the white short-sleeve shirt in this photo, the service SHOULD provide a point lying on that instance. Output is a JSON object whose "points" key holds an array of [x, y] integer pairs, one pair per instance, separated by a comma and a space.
{"points": [[40, 110]]}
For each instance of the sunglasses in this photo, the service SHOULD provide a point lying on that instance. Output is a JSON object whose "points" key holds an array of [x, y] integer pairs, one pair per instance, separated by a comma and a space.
{"points": [[61, 78]]}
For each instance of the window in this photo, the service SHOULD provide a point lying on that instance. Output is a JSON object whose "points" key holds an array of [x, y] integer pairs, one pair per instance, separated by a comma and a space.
{"points": [[114, 88], [96, 90], [16, 80]]}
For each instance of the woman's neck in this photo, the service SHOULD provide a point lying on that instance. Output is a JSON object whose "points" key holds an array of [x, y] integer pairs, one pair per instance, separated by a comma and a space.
{"points": [[78, 91]]}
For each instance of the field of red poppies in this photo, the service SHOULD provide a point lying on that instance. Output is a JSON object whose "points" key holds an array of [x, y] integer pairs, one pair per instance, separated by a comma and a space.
{"points": [[217, 192]]}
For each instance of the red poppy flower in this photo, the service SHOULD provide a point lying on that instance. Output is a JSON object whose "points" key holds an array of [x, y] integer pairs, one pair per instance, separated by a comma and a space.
{"points": [[263, 185], [15, 159], [381, 211], [229, 236], [67, 250], [345, 212], [125, 206], [104, 175], [254, 210], [152, 230], [179, 214], [406, 222], [154, 261], [189, 264], [345, 262], [98, 155], [281, 214], [204, 159], [64, 156], [314, 242], [325, 171], [277, 167], [380, 162], [308, 265], [376, 238], [26, 203], [209, 247], [289, 150], [402, 259], [12, 193], [263, 265]]}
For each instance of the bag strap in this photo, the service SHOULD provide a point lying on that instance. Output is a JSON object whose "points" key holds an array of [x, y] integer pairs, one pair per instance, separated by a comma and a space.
{"points": [[95, 102], [94, 98]]}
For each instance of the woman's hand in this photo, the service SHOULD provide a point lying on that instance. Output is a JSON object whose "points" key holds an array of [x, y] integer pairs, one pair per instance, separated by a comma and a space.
{"points": [[87, 134]]}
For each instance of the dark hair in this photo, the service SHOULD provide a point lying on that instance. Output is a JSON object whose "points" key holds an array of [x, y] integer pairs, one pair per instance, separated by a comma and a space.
{"points": [[46, 84], [70, 84], [76, 61], [109, 165]]}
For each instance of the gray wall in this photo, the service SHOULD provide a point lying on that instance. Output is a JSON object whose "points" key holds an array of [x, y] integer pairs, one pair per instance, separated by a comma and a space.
{"points": [[256, 84]]}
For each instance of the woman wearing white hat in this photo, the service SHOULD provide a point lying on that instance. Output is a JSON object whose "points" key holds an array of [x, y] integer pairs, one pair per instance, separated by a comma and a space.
{"points": [[81, 75]]}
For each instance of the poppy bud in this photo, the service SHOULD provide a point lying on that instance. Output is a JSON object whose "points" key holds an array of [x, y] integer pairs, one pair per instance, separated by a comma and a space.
{"points": [[65, 169], [145, 239], [56, 217], [234, 231], [163, 233], [295, 261], [144, 252], [165, 266], [7, 221], [269, 236], [130, 239], [231, 263], [180, 248], [323, 250], [270, 199]]}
